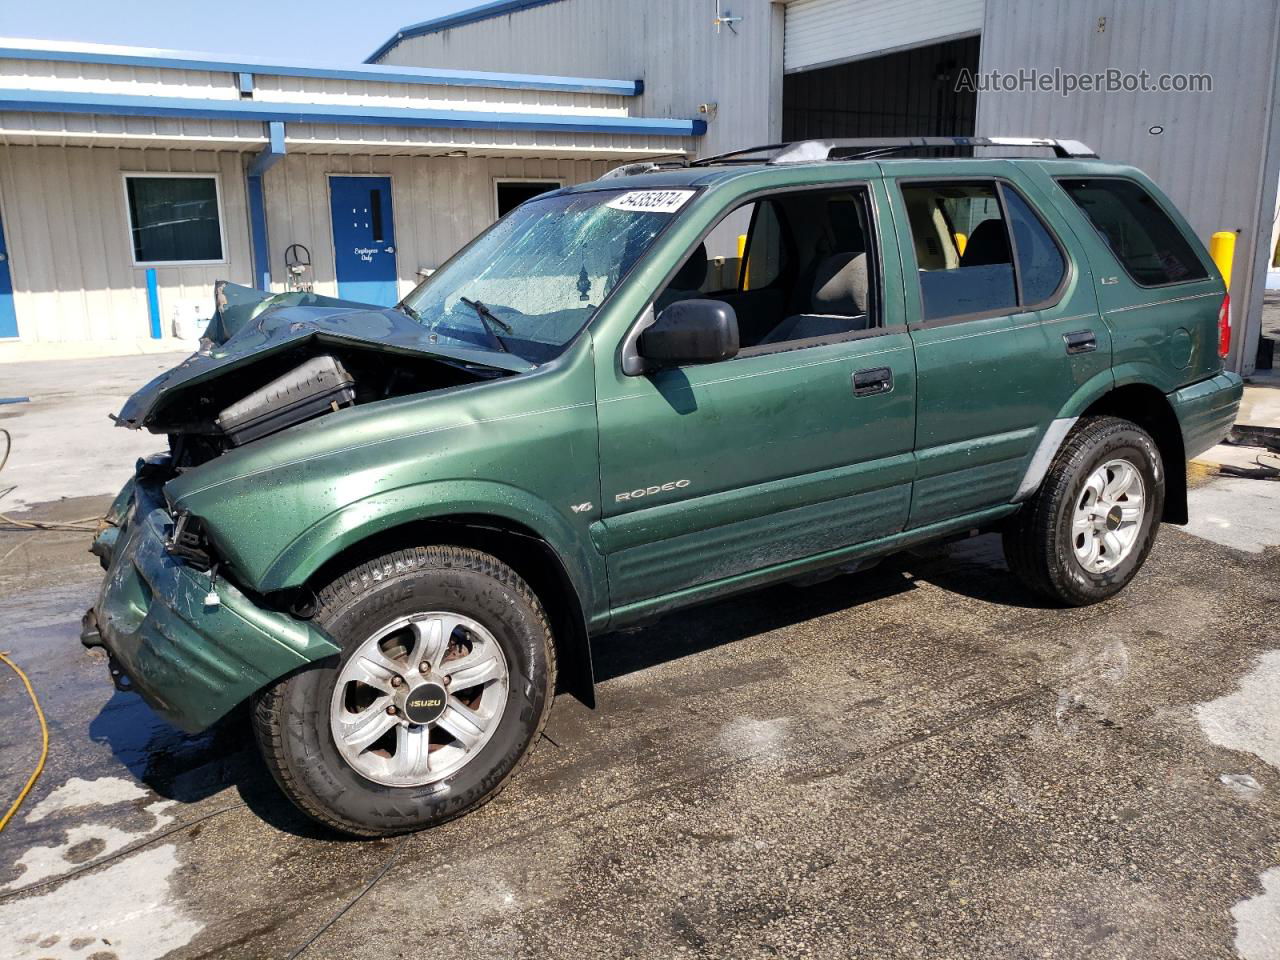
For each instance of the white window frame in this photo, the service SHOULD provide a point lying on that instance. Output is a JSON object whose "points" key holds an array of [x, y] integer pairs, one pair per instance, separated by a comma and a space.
{"points": [[194, 175], [559, 183]]}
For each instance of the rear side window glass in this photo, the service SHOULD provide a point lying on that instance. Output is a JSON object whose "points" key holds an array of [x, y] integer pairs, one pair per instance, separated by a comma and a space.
{"points": [[963, 256], [1143, 238], [1040, 263]]}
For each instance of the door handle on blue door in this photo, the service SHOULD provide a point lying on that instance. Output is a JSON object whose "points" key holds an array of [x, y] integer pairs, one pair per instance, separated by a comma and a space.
{"points": [[1081, 341], [872, 381]]}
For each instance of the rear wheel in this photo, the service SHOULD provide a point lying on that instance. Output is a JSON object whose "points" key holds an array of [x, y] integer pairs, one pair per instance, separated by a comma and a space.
{"points": [[1088, 529], [444, 681]]}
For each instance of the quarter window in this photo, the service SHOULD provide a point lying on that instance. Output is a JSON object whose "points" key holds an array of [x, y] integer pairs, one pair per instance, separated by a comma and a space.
{"points": [[1040, 263], [174, 219], [1142, 236], [980, 249]]}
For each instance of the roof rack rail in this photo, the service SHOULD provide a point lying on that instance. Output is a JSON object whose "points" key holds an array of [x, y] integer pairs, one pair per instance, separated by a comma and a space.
{"points": [[812, 151], [642, 166]]}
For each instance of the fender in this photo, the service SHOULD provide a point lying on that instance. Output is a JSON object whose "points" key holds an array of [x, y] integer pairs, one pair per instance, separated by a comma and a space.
{"points": [[438, 499], [1056, 432], [1148, 375]]}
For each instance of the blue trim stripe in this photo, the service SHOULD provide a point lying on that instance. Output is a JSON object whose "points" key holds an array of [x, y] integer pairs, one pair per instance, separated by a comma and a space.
{"points": [[258, 232], [153, 304], [185, 60], [272, 152], [44, 101], [263, 162], [486, 11]]}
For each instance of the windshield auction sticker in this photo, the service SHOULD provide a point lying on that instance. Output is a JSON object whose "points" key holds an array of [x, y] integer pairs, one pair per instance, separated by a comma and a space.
{"points": [[651, 201]]}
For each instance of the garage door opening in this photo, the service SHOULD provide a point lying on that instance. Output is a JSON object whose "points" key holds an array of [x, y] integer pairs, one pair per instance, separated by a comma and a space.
{"points": [[906, 94]]}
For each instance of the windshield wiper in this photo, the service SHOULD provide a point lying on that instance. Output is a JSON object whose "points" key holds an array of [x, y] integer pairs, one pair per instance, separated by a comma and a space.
{"points": [[490, 320], [408, 311]]}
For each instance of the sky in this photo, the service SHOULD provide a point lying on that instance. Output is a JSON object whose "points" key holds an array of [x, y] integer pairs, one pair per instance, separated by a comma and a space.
{"points": [[326, 31]]}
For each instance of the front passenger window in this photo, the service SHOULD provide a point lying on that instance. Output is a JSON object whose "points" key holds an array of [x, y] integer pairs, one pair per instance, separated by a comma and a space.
{"points": [[806, 269]]}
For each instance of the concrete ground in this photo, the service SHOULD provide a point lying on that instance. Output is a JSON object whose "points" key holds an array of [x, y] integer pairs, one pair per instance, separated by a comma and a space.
{"points": [[63, 443], [918, 760]]}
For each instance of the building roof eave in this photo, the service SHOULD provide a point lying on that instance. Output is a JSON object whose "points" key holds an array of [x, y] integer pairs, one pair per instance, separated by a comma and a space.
{"points": [[46, 101], [486, 11], [75, 52]]}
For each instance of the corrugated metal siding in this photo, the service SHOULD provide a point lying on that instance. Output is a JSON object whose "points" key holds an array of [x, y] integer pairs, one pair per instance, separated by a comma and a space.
{"points": [[218, 85], [326, 138], [669, 44], [69, 245], [65, 221], [20, 127], [1212, 158], [823, 32], [439, 204]]}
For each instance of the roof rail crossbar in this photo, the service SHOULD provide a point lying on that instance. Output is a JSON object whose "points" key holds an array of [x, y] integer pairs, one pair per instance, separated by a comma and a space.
{"points": [[811, 151]]}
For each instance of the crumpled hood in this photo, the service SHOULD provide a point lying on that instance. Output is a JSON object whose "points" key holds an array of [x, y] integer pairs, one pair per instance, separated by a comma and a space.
{"points": [[250, 325]]}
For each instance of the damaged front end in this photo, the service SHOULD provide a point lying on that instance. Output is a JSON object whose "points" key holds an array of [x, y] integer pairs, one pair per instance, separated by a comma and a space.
{"points": [[268, 362], [178, 625], [189, 641]]}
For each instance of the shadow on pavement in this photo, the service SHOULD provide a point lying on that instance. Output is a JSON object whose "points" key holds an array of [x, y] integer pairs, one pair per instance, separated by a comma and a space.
{"points": [[192, 768]]}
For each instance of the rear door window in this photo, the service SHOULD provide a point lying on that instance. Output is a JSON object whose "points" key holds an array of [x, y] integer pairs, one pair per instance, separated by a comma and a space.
{"points": [[1142, 236], [963, 258], [980, 249]]}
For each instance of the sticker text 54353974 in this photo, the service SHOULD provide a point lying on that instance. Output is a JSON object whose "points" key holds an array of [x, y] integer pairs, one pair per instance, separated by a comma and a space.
{"points": [[651, 201]]}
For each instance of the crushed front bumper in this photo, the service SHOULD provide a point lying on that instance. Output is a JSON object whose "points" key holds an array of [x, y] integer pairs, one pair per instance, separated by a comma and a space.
{"points": [[191, 657]]}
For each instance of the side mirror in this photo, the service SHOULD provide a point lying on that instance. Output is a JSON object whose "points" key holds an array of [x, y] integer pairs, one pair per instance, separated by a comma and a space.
{"points": [[691, 331]]}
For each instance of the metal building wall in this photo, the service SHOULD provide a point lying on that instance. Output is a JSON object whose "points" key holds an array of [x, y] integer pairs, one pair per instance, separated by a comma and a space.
{"points": [[1218, 154], [64, 215], [70, 252], [439, 204], [821, 33], [669, 44]]}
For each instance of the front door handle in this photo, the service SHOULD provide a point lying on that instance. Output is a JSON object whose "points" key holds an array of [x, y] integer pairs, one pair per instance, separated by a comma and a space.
{"points": [[1081, 341], [871, 381]]}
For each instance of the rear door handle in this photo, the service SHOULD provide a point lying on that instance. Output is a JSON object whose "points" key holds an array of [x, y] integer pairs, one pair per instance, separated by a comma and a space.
{"points": [[871, 381], [1081, 341]]}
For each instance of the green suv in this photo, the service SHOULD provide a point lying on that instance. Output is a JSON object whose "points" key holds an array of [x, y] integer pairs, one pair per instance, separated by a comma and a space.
{"points": [[392, 530]]}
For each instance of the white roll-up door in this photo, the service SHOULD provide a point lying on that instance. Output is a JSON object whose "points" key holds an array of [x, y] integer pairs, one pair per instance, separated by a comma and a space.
{"points": [[820, 32]]}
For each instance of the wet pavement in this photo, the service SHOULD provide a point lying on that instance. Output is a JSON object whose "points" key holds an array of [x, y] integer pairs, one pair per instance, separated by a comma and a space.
{"points": [[916, 760]]}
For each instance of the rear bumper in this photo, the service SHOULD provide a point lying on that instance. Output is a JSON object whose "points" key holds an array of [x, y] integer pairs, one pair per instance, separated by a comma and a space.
{"points": [[1206, 411], [191, 660]]}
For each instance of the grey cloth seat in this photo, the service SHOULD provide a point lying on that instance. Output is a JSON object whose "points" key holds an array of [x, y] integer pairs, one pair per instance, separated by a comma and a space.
{"points": [[838, 303], [688, 281]]}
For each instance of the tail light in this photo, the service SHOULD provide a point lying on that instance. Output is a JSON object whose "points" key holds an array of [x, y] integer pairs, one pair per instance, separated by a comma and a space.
{"points": [[1224, 327]]}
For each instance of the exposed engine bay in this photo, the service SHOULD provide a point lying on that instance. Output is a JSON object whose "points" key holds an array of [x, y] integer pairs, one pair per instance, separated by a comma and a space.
{"points": [[270, 362], [287, 389]]}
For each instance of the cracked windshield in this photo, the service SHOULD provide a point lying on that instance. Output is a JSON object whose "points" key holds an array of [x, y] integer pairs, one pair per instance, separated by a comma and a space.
{"points": [[536, 278]]}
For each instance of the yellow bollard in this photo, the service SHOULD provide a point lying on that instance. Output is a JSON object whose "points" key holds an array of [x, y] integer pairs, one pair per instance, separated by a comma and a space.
{"points": [[742, 259], [962, 241], [1222, 247]]}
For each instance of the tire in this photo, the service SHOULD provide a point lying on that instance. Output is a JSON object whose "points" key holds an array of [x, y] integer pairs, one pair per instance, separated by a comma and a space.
{"points": [[381, 789], [1043, 546]]}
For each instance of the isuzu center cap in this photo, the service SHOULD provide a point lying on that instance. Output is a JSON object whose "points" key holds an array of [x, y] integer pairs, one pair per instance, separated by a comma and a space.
{"points": [[425, 702]]}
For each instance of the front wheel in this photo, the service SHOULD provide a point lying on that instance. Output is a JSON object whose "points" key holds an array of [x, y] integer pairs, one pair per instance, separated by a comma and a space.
{"points": [[444, 681], [1088, 529]]}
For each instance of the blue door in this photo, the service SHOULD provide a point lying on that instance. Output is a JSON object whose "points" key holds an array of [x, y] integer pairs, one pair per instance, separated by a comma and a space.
{"points": [[8, 319], [364, 239]]}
